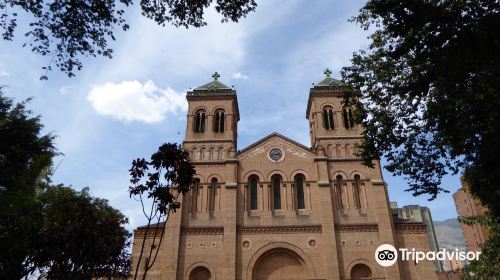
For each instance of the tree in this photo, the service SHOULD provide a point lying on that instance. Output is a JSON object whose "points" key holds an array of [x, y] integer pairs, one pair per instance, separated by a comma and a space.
{"points": [[82, 236], [68, 29], [53, 230], [25, 157], [171, 176], [430, 103], [25, 154], [430, 92], [488, 265]]}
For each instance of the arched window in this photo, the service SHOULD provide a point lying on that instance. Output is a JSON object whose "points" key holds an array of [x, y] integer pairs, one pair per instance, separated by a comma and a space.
{"points": [[299, 188], [328, 118], [276, 192], [253, 192], [211, 195], [199, 121], [348, 118], [357, 188], [219, 121], [339, 191]]}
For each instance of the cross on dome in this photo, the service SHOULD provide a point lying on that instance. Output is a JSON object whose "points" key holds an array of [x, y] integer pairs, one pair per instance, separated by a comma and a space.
{"points": [[328, 72], [215, 75]]}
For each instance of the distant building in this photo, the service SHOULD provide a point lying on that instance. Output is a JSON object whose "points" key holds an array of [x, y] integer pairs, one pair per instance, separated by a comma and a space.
{"points": [[475, 235], [417, 213], [452, 265]]}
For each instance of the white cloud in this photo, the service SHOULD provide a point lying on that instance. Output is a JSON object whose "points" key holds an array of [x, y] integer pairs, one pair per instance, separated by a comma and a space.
{"points": [[238, 76], [176, 52], [181, 54], [67, 89], [133, 101], [4, 73]]}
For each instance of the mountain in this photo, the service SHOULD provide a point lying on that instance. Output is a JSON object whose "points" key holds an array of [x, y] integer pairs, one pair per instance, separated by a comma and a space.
{"points": [[449, 234]]}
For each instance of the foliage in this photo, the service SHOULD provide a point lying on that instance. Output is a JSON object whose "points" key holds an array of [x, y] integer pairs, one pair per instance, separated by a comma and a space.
{"points": [[430, 88], [68, 29], [488, 265], [171, 175], [24, 153], [25, 156], [82, 236], [52, 230]]}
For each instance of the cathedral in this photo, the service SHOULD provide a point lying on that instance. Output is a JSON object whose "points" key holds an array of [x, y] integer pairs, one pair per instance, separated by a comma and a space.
{"points": [[277, 209]]}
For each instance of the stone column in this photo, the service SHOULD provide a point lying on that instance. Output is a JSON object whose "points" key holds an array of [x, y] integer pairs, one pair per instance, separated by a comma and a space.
{"points": [[345, 196], [327, 219], [364, 202], [170, 250], [265, 197], [387, 234], [229, 212]]}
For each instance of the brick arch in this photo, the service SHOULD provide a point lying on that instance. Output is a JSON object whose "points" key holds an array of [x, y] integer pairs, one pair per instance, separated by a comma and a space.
{"points": [[199, 177], [280, 247], [216, 176], [359, 263], [326, 104], [300, 171], [277, 172], [341, 173], [198, 264], [218, 107], [356, 172], [193, 112], [253, 172]]}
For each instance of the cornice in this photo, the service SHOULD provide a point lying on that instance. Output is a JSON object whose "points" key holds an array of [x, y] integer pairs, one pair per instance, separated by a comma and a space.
{"points": [[140, 233], [280, 229], [357, 228], [208, 141], [203, 230], [411, 227]]}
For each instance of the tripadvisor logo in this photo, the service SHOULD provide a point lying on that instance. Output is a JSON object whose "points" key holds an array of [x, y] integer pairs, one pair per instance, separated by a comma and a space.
{"points": [[386, 255]]}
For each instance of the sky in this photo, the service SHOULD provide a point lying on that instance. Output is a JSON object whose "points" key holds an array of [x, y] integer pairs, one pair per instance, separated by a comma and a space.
{"points": [[123, 108]]}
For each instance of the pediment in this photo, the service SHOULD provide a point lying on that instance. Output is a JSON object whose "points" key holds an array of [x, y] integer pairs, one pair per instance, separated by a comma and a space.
{"points": [[290, 147]]}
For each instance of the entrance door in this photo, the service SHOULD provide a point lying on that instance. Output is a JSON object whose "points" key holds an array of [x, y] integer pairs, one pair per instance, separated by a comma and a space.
{"points": [[279, 265]]}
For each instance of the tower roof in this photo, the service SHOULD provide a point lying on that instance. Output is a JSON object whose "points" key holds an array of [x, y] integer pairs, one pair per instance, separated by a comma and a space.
{"points": [[328, 81], [214, 85]]}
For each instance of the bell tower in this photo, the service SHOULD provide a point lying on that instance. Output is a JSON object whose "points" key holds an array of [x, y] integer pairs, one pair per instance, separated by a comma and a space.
{"points": [[331, 121], [212, 121]]}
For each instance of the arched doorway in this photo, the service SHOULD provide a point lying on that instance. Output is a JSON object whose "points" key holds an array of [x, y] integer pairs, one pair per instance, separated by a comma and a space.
{"points": [[200, 273], [361, 271], [279, 264]]}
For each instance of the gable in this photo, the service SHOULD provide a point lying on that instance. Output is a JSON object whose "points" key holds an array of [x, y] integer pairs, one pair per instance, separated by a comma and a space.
{"points": [[289, 146]]}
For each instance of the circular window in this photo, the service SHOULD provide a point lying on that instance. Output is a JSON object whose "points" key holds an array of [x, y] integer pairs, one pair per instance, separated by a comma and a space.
{"points": [[312, 243], [276, 155]]}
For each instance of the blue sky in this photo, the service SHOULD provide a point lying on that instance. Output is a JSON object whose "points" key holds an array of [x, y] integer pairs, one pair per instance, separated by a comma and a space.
{"points": [[116, 110]]}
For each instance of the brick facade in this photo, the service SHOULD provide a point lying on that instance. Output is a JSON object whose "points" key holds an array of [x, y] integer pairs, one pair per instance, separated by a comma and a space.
{"points": [[280, 210]]}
